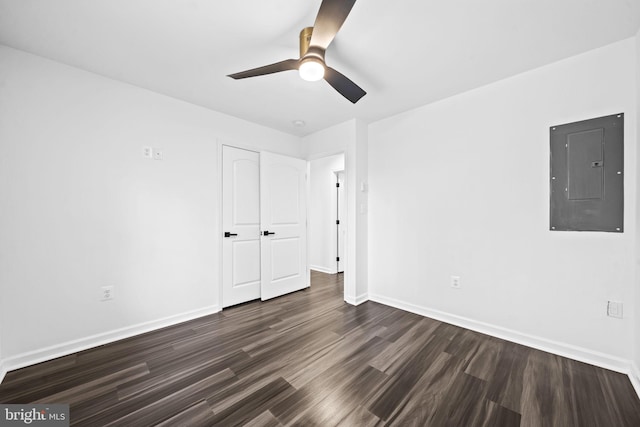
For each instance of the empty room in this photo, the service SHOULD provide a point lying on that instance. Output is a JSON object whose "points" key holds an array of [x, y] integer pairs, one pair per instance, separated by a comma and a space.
{"points": [[322, 212]]}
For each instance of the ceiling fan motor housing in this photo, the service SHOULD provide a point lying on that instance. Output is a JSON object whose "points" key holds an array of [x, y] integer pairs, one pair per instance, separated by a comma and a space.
{"points": [[305, 38]]}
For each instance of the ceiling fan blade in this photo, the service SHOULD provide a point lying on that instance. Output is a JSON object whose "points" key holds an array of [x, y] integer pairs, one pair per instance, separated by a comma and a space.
{"points": [[342, 84], [331, 16], [286, 65]]}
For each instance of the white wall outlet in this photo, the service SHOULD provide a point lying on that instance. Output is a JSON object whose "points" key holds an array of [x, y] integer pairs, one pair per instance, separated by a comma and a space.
{"points": [[147, 152], [614, 309], [157, 154], [455, 282], [106, 293]]}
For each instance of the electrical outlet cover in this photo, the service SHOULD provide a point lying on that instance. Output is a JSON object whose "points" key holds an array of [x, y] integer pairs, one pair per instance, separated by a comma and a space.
{"points": [[455, 282], [106, 293]]}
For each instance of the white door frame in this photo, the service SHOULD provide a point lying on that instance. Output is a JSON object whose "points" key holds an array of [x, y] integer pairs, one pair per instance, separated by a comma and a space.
{"points": [[343, 219]]}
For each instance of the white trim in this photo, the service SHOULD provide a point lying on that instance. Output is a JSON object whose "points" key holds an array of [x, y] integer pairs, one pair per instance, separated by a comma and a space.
{"points": [[3, 370], [362, 298], [634, 377], [70, 347], [581, 354], [357, 300], [218, 222], [323, 269], [307, 189]]}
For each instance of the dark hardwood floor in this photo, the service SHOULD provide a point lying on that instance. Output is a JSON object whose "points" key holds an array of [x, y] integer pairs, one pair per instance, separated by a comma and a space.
{"points": [[310, 359]]}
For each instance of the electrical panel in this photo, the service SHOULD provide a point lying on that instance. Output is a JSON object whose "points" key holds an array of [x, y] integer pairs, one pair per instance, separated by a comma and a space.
{"points": [[587, 175]]}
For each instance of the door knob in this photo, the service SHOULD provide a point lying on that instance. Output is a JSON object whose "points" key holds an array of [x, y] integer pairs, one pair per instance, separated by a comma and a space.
{"points": [[266, 233], [228, 234]]}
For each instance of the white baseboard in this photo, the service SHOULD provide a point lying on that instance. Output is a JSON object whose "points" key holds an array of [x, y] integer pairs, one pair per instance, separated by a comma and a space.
{"points": [[3, 370], [362, 298], [70, 347], [357, 300], [323, 269], [581, 354], [634, 376]]}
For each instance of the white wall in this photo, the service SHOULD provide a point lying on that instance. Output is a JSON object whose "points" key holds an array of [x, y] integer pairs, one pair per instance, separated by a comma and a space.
{"points": [[323, 213], [460, 187], [330, 141], [81, 208]]}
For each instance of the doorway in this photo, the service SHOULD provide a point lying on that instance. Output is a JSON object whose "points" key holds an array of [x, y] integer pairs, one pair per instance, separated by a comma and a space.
{"points": [[327, 214]]}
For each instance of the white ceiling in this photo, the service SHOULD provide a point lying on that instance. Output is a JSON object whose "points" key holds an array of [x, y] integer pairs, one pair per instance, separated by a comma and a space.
{"points": [[403, 53]]}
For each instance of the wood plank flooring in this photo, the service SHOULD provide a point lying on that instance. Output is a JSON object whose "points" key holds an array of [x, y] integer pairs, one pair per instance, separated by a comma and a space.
{"points": [[310, 359]]}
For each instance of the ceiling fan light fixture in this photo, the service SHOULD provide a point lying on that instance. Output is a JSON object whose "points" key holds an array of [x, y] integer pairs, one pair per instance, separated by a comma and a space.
{"points": [[311, 69], [313, 46]]}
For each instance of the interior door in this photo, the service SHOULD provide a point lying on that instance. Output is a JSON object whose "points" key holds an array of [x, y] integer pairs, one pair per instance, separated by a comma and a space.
{"points": [[283, 199], [241, 226]]}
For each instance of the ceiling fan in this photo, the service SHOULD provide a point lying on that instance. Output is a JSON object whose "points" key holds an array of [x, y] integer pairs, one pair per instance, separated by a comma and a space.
{"points": [[313, 44]]}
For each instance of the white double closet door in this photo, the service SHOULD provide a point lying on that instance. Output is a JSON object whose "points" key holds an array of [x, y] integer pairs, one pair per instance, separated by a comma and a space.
{"points": [[264, 220]]}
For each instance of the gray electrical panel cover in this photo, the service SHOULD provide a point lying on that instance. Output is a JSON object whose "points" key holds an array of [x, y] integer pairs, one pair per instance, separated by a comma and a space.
{"points": [[587, 175]]}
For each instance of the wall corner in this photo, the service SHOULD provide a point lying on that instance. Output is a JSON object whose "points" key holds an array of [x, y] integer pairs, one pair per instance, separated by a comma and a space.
{"points": [[356, 162], [636, 306]]}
